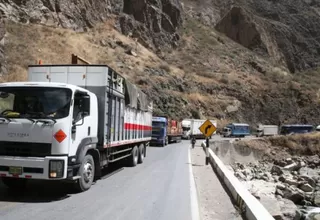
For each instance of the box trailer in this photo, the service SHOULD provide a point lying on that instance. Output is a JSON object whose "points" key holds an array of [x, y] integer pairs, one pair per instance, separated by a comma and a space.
{"points": [[236, 130], [68, 122], [267, 130]]}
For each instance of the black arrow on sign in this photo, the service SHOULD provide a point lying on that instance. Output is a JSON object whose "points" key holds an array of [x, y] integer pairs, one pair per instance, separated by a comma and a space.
{"points": [[207, 128]]}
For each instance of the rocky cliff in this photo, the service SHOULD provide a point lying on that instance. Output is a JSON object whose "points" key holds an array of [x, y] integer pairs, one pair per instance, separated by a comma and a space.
{"points": [[201, 58], [287, 31], [154, 23]]}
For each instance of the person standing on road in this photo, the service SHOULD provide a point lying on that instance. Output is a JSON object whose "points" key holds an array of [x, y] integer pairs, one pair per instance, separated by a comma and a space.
{"points": [[193, 141]]}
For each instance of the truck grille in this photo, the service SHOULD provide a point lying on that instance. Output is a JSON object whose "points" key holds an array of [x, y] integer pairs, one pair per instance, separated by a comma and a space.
{"points": [[24, 149]]}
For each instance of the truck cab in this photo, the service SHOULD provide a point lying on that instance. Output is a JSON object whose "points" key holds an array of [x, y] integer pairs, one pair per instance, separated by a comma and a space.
{"points": [[41, 126], [226, 132], [186, 128], [159, 131]]}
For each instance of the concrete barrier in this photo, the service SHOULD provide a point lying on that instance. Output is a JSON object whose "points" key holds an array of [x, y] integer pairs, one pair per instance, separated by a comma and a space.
{"points": [[249, 206]]}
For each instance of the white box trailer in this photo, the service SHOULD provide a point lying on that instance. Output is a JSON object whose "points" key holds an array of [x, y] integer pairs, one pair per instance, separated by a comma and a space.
{"points": [[68, 122], [267, 130], [195, 124]]}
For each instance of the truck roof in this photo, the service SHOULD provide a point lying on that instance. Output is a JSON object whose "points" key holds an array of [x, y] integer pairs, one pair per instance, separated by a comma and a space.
{"points": [[94, 78], [41, 84], [239, 124], [161, 119], [297, 125]]}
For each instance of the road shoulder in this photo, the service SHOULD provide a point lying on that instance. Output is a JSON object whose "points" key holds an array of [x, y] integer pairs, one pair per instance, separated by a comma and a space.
{"points": [[214, 202]]}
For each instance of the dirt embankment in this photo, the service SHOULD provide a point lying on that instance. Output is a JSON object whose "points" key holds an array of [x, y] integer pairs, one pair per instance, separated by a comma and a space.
{"points": [[188, 68], [281, 147]]}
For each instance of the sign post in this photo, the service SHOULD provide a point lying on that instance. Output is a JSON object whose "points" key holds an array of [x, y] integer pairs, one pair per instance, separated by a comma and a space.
{"points": [[207, 129]]}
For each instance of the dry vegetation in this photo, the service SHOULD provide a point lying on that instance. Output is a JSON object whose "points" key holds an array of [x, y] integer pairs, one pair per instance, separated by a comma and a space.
{"points": [[26, 44], [206, 76]]}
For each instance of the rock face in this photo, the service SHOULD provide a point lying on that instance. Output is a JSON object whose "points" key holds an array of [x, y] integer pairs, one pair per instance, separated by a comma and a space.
{"points": [[241, 27], [153, 22], [2, 57], [285, 30], [158, 20], [298, 186]]}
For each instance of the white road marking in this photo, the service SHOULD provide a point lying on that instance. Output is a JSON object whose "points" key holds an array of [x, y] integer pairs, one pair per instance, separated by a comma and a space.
{"points": [[193, 192]]}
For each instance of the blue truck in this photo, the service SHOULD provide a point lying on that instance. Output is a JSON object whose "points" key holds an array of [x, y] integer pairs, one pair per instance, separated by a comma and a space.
{"points": [[236, 130], [165, 131]]}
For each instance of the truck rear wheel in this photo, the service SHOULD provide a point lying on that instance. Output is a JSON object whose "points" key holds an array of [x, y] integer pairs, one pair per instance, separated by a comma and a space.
{"points": [[133, 159], [141, 153], [14, 183], [86, 173]]}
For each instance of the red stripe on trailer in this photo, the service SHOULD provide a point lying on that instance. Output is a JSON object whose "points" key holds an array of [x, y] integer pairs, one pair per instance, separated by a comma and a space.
{"points": [[3, 175], [28, 176], [130, 126], [127, 142]]}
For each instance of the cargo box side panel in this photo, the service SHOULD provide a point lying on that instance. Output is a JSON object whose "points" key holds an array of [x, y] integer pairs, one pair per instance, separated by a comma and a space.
{"points": [[137, 125], [130, 115]]}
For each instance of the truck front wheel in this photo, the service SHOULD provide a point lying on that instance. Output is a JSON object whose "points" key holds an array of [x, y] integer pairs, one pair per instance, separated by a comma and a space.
{"points": [[86, 173], [14, 183]]}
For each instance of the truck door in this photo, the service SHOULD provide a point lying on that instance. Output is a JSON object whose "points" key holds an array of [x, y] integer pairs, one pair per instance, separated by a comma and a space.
{"points": [[81, 125]]}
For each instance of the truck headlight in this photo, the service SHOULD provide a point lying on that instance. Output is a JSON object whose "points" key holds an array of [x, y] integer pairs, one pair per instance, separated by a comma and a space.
{"points": [[56, 168]]}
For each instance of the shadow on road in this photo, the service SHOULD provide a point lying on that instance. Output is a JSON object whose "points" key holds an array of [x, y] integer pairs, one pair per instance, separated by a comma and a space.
{"points": [[39, 191]]}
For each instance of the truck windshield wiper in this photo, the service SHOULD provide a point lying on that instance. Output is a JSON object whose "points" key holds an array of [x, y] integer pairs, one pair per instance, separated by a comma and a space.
{"points": [[45, 121], [30, 119], [4, 119], [39, 114]]}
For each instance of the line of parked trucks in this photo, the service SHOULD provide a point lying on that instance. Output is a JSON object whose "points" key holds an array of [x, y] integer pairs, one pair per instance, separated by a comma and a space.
{"points": [[68, 122], [166, 130], [242, 130]]}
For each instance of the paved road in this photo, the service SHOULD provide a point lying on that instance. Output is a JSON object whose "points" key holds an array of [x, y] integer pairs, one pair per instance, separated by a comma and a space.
{"points": [[160, 188], [157, 189]]}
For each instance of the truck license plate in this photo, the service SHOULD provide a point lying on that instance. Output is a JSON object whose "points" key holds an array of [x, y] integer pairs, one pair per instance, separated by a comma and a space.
{"points": [[15, 170]]}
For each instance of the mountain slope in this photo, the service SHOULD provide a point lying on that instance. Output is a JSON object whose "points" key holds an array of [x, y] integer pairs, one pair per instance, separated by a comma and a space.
{"points": [[175, 53]]}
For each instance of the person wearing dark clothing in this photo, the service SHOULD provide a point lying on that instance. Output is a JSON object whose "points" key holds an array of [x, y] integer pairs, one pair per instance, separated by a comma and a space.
{"points": [[193, 141]]}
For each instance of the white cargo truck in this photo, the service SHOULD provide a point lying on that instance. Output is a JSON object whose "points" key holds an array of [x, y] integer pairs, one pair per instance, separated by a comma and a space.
{"points": [[70, 121], [195, 124], [267, 130]]}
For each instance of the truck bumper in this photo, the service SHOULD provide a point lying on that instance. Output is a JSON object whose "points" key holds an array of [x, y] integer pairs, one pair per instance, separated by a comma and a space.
{"points": [[32, 167], [156, 141]]}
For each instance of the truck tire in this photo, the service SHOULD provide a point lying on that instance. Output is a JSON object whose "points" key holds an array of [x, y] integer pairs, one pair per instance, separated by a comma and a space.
{"points": [[141, 153], [14, 183], [134, 157], [86, 173], [166, 141]]}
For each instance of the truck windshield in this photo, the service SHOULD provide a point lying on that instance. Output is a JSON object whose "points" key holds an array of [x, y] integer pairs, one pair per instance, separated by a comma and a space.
{"points": [[158, 128], [185, 128], [157, 124], [34, 102]]}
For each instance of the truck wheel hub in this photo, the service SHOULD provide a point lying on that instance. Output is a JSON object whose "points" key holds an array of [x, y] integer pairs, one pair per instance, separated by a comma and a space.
{"points": [[87, 172]]}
